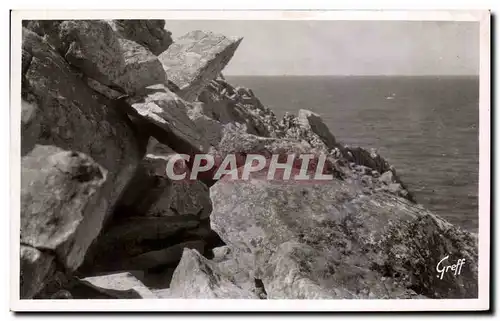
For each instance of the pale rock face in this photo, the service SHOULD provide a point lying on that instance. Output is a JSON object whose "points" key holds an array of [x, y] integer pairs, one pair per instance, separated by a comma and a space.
{"points": [[195, 59], [148, 33], [198, 278], [120, 286], [347, 241], [165, 114], [141, 68], [387, 177]]}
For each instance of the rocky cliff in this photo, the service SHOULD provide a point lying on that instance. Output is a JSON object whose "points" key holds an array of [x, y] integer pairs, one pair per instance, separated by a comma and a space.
{"points": [[106, 104]]}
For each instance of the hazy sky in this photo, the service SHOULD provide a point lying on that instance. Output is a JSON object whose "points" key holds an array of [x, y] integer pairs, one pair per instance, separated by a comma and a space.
{"points": [[346, 47]]}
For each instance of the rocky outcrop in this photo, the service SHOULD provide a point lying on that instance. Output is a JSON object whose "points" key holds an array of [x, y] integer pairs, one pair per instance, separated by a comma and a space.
{"points": [[58, 189], [99, 53], [344, 242], [78, 155], [230, 105], [164, 113], [195, 59], [148, 33], [100, 217], [312, 122]]}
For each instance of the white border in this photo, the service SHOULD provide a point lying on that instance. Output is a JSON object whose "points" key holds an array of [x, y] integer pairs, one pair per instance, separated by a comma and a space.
{"points": [[482, 303]]}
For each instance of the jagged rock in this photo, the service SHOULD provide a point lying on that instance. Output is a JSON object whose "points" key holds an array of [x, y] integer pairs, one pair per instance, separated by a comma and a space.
{"points": [[167, 256], [119, 286], [149, 33], [141, 68], [165, 115], [70, 117], [228, 105], [84, 128], [35, 267], [312, 121], [97, 51], [364, 162], [363, 157], [209, 128], [387, 177], [236, 140], [195, 59], [357, 239], [92, 47], [290, 127], [48, 30], [58, 190], [198, 278]]}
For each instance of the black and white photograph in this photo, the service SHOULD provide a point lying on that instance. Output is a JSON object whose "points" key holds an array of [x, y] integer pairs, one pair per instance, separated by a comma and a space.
{"points": [[279, 160]]}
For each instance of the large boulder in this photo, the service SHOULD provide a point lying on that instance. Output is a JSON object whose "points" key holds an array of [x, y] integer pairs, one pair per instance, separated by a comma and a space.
{"points": [[149, 33], [58, 192], [345, 244], [165, 114], [99, 53], [89, 145], [195, 59], [141, 68]]}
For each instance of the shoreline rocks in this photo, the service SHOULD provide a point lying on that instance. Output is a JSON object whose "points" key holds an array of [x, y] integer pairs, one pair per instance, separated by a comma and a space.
{"points": [[195, 59], [352, 238], [106, 104]]}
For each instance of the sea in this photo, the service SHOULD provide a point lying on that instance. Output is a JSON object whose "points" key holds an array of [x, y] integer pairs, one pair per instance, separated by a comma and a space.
{"points": [[427, 127]]}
